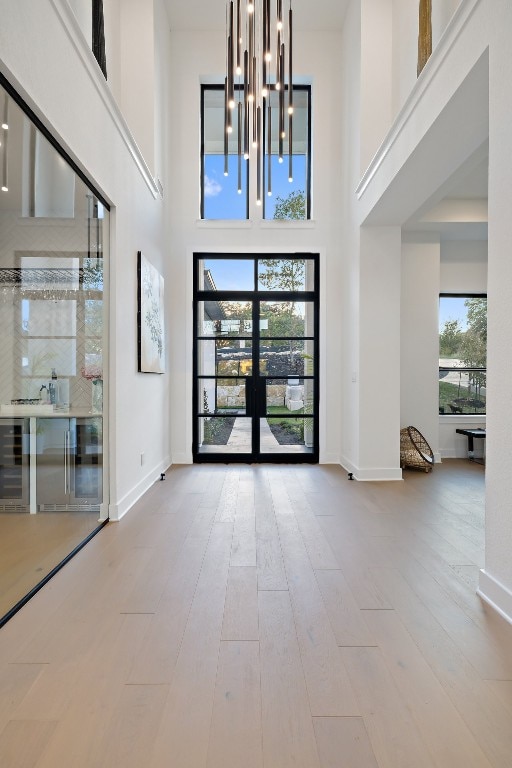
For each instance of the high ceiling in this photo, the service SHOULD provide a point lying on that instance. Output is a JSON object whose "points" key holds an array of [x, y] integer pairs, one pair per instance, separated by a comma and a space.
{"points": [[211, 14]]}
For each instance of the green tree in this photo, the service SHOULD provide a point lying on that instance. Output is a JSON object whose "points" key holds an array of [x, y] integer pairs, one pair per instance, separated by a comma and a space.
{"points": [[473, 349], [291, 207], [282, 274], [450, 339], [477, 316]]}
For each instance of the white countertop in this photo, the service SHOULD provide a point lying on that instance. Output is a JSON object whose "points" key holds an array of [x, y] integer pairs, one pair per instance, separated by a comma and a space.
{"points": [[44, 411]]}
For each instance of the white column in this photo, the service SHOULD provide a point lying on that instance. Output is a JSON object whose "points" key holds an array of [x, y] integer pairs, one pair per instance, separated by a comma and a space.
{"points": [[420, 339], [378, 378], [496, 579]]}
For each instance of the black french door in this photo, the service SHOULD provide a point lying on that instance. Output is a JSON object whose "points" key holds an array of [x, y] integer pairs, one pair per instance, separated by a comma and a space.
{"points": [[255, 358]]}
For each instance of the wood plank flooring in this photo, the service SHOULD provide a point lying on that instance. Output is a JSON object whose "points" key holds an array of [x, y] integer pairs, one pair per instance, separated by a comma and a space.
{"points": [[32, 545], [271, 616]]}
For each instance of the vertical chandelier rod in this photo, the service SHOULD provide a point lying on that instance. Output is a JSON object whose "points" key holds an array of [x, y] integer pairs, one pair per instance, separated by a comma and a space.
{"points": [[5, 126], [5, 117], [239, 137], [269, 150], [259, 49], [5, 179], [290, 95]]}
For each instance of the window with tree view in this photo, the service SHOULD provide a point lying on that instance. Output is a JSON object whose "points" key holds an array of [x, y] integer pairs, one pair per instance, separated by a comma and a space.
{"points": [[462, 354], [286, 176]]}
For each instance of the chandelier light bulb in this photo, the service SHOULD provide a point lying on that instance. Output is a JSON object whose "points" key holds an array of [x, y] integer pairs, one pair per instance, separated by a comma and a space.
{"points": [[250, 7], [278, 86], [280, 159], [268, 56], [258, 202], [290, 179], [229, 129], [239, 70], [264, 92], [5, 126], [5, 189], [290, 110]]}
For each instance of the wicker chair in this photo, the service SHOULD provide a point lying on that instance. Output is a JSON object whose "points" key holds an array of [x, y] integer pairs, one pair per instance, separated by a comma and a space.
{"points": [[415, 452]]}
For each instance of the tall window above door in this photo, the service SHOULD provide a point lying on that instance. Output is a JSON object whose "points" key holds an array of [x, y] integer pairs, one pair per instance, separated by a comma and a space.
{"points": [[286, 188]]}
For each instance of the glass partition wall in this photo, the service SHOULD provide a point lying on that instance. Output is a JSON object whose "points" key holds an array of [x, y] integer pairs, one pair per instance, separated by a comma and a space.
{"points": [[53, 249]]}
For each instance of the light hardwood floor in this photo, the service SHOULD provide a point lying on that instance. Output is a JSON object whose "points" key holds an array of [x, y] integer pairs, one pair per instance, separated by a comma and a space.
{"points": [[268, 617], [33, 545]]}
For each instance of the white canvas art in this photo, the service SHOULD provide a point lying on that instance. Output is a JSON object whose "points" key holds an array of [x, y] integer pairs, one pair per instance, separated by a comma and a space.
{"points": [[151, 318]]}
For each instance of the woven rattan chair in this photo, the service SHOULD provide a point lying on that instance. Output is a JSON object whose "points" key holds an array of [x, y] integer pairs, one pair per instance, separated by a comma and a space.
{"points": [[415, 452]]}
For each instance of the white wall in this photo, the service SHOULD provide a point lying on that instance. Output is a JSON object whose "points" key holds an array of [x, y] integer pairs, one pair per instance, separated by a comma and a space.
{"points": [[350, 237], [405, 42], [61, 82], [419, 358], [316, 60], [83, 14], [496, 581], [463, 266], [379, 354], [389, 56], [376, 75]]}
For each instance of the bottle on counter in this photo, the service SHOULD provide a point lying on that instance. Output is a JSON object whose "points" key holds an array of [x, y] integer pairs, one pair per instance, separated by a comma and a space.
{"points": [[43, 395], [54, 391]]}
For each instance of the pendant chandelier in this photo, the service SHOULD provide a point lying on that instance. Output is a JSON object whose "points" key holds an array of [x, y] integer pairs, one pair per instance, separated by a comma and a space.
{"points": [[259, 62]]}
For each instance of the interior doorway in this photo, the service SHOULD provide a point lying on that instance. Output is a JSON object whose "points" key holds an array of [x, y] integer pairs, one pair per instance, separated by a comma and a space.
{"points": [[256, 358]]}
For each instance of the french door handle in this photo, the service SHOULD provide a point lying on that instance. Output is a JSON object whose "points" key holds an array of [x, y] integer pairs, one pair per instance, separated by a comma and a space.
{"points": [[249, 396]]}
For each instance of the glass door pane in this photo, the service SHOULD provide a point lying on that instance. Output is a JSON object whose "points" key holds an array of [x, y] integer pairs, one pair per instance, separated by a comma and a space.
{"points": [[224, 361], [287, 426]]}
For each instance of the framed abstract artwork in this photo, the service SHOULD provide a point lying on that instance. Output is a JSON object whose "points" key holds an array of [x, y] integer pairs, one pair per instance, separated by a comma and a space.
{"points": [[150, 317]]}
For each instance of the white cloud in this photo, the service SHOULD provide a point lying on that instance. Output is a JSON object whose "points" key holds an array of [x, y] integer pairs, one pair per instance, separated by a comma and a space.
{"points": [[212, 188]]}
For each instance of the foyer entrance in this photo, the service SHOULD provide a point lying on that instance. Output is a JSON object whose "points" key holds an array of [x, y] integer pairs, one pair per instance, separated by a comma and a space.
{"points": [[255, 358]]}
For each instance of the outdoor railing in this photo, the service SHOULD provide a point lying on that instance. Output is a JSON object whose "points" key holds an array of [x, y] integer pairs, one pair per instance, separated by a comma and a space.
{"points": [[462, 391]]}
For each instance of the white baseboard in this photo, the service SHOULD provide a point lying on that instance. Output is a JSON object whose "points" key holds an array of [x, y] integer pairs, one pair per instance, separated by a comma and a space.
{"points": [[372, 473], [451, 453], [119, 510], [495, 594], [437, 457]]}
